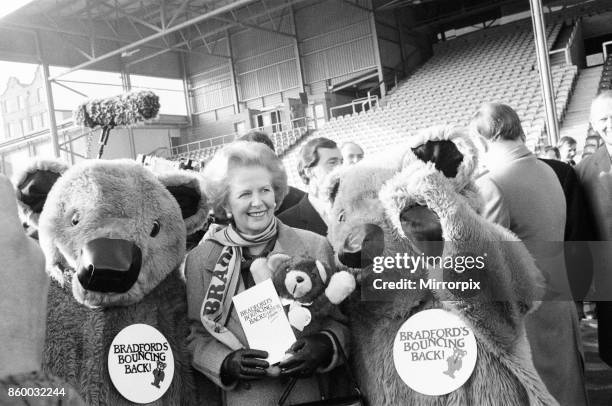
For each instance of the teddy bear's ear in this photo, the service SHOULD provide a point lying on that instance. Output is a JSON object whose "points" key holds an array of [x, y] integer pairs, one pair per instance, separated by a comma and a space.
{"points": [[276, 260], [186, 188], [260, 270], [32, 186], [322, 271]]}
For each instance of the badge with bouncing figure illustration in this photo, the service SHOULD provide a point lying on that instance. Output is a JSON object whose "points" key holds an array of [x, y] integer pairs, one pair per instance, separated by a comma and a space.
{"points": [[140, 363], [434, 352]]}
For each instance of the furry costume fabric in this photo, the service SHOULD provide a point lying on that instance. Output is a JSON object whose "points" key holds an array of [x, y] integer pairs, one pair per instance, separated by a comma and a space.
{"points": [[383, 192], [120, 201]]}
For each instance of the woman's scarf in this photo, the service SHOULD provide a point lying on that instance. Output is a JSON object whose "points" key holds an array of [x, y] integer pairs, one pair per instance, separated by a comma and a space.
{"points": [[226, 275]]}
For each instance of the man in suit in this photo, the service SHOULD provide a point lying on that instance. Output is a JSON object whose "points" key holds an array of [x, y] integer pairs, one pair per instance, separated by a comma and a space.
{"points": [[579, 226], [294, 195], [351, 153], [567, 150], [595, 173], [523, 194], [318, 157]]}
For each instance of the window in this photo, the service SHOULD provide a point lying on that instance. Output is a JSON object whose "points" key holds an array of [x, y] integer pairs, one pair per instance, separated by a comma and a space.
{"points": [[26, 126], [260, 120], [36, 122], [11, 105], [319, 114], [44, 120], [21, 102], [275, 118], [14, 130], [40, 95]]}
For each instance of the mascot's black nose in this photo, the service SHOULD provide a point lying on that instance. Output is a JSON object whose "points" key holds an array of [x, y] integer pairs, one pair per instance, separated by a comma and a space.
{"points": [[362, 244], [299, 279], [109, 265]]}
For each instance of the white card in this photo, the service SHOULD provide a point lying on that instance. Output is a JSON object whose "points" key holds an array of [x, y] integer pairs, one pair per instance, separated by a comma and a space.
{"points": [[264, 321]]}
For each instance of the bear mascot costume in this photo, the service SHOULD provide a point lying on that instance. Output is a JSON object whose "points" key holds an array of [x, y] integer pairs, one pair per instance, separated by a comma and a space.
{"points": [[423, 200], [113, 234]]}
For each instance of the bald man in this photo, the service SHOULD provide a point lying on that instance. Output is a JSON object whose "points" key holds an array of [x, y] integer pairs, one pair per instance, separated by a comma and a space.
{"points": [[351, 153], [595, 174]]}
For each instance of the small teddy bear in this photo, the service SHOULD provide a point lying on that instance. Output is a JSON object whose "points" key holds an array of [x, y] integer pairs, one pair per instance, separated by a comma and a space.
{"points": [[303, 285]]}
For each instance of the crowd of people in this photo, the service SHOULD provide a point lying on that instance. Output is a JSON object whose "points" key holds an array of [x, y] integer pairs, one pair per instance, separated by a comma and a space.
{"points": [[529, 196], [258, 214]]}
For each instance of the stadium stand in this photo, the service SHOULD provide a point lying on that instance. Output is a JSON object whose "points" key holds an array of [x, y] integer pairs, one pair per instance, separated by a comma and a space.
{"points": [[496, 64], [283, 140], [606, 76]]}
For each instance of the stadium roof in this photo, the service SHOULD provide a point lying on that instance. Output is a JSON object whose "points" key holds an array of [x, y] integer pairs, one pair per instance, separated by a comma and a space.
{"points": [[136, 31]]}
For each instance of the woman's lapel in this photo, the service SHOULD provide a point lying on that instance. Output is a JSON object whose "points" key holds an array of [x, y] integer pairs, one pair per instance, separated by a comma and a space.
{"points": [[288, 242]]}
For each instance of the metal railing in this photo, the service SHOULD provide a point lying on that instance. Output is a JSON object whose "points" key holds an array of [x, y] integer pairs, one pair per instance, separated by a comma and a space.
{"points": [[275, 130], [567, 49], [355, 106], [605, 49]]}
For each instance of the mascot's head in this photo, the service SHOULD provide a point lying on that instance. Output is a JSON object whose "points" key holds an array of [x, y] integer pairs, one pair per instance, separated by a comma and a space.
{"points": [[114, 230], [376, 210]]}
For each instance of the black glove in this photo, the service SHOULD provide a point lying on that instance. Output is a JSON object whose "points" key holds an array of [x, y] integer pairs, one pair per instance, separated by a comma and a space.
{"points": [[309, 353], [243, 364]]}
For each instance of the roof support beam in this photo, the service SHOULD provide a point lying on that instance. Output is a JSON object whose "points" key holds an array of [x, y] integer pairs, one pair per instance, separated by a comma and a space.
{"points": [[48, 97], [31, 28], [253, 26], [178, 12], [158, 35], [131, 17], [235, 24], [548, 95], [162, 14]]}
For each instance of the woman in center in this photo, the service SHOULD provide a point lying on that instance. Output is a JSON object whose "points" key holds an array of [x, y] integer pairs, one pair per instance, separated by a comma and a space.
{"points": [[249, 181]]}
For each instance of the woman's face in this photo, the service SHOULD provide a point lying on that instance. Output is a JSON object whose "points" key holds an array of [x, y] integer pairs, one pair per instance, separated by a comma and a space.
{"points": [[251, 198]]}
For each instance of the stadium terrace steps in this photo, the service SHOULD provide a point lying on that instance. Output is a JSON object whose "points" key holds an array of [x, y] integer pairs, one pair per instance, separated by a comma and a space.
{"points": [[576, 123]]}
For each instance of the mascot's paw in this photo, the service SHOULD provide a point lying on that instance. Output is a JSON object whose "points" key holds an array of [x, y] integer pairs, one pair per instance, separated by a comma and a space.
{"points": [[428, 183], [341, 285]]}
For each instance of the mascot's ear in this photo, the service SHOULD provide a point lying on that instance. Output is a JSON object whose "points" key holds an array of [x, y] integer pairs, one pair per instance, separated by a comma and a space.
{"points": [[322, 271], [32, 186], [186, 188], [275, 261], [449, 149]]}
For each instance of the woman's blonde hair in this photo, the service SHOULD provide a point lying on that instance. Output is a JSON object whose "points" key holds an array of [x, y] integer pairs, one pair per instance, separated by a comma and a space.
{"points": [[241, 154]]}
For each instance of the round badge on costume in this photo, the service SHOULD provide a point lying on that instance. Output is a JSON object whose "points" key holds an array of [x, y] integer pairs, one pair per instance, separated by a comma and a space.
{"points": [[435, 352], [140, 363]]}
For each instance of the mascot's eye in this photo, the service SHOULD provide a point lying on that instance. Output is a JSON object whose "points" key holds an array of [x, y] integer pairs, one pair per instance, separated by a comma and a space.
{"points": [[341, 217], [75, 219], [155, 229]]}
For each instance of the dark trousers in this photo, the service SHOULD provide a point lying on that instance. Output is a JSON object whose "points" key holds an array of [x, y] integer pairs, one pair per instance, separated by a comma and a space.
{"points": [[604, 331]]}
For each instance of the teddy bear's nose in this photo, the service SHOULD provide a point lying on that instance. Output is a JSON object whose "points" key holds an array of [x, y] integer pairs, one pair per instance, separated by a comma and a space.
{"points": [[109, 265], [299, 279]]}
